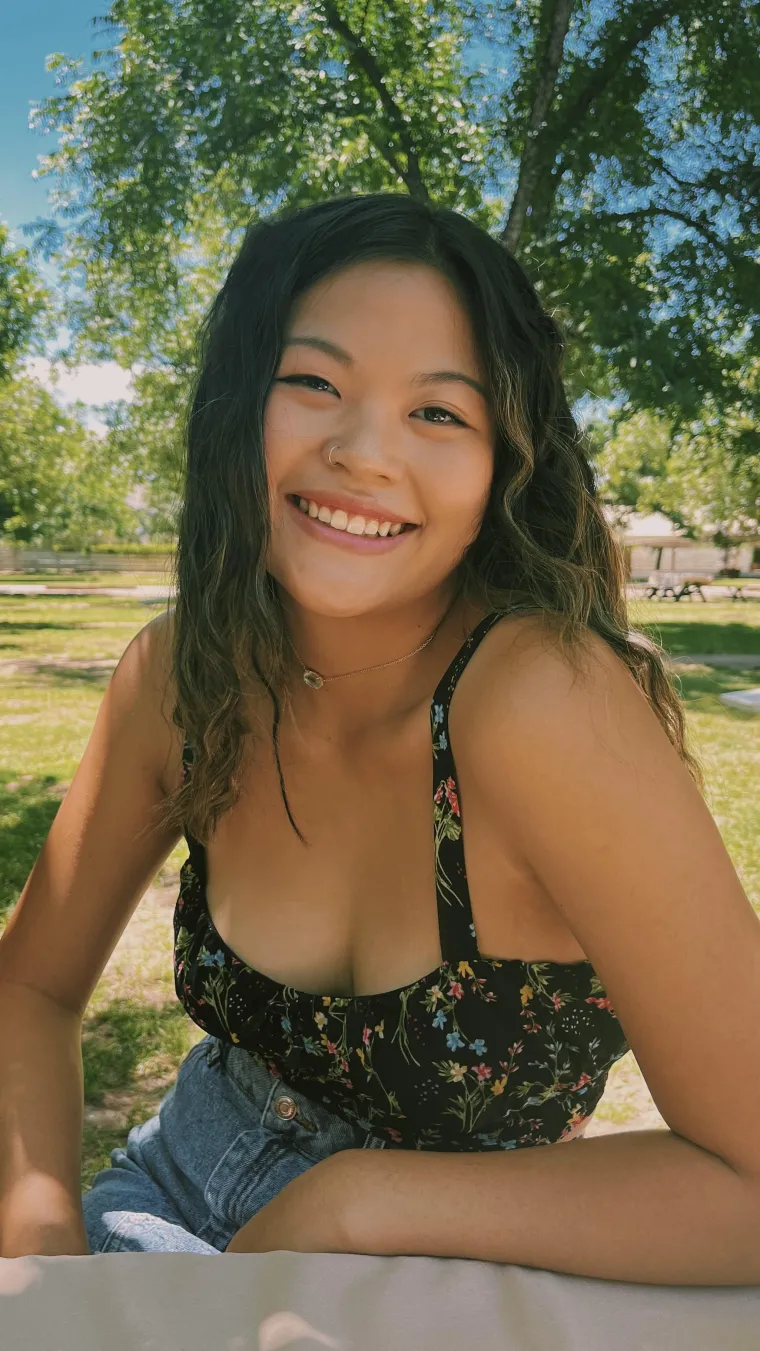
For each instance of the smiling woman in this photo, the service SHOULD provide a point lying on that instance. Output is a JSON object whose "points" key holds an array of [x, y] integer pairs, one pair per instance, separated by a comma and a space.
{"points": [[391, 550]]}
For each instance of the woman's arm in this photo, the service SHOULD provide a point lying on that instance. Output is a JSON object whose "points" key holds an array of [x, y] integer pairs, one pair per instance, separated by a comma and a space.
{"points": [[40, 1126], [101, 853], [641, 1206]]}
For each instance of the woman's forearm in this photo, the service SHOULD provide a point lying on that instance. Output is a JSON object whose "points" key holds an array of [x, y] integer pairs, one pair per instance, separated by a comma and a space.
{"points": [[641, 1206], [41, 1114]]}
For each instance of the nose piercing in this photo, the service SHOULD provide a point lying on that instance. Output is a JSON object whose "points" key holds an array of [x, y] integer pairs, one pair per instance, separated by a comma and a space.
{"points": [[329, 457]]}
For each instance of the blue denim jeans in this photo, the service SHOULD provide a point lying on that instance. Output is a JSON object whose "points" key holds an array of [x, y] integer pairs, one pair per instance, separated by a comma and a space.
{"points": [[227, 1137]]}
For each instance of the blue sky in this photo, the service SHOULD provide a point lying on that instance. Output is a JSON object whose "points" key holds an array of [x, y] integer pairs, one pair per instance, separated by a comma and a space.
{"points": [[30, 31]]}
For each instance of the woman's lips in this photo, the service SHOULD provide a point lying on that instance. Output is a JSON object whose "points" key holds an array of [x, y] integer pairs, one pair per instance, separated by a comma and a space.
{"points": [[363, 544]]}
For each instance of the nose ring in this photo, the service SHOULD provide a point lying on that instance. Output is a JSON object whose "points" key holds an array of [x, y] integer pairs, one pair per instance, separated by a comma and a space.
{"points": [[329, 457]]}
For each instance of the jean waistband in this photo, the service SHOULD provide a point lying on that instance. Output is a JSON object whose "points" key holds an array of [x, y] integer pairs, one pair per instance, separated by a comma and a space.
{"points": [[282, 1107]]}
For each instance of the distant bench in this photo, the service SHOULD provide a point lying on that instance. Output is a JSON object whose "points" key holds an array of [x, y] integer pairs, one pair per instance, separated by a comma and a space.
{"points": [[676, 584], [742, 588]]}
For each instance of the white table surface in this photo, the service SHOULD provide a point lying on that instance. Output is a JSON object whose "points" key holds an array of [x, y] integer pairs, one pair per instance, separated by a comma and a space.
{"points": [[327, 1302]]}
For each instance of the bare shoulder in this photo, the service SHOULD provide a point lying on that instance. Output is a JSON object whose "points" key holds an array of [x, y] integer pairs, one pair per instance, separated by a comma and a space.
{"points": [[524, 666], [144, 682], [142, 697], [540, 713], [153, 645]]}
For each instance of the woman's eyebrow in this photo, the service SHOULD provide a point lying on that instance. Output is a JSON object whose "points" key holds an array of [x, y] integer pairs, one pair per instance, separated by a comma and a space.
{"points": [[425, 378]]}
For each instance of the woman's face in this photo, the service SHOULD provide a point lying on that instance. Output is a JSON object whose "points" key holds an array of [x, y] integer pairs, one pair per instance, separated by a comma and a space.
{"points": [[379, 361]]}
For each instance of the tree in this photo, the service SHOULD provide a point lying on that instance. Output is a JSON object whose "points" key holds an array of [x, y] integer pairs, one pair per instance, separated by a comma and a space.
{"points": [[704, 476], [59, 483], [199, 111], [613, 147], [23, 302]]}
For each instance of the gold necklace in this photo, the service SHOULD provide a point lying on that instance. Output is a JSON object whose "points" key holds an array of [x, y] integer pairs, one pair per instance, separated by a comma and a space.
{"points": [[315, 681]]}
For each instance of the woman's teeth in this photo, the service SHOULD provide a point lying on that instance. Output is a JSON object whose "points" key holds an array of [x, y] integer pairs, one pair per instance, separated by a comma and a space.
{"points": [[353, 525]]}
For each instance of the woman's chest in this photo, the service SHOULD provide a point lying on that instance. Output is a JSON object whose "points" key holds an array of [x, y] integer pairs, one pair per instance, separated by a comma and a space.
{"points": [[353, 910]]}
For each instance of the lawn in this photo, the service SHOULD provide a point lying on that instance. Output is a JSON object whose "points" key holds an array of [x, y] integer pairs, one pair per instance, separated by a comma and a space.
{"points": [[56, 655], [693, 626]]}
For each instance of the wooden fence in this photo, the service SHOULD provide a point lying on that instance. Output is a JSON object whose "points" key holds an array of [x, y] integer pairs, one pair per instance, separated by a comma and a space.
{"points": [[48, 560]]}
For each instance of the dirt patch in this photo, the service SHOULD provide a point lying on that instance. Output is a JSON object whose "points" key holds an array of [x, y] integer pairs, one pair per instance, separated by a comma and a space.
{"points": [[627, 1104]]}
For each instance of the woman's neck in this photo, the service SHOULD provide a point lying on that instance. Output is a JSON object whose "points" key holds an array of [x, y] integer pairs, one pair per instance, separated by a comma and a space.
{"points": [[343, 708]]}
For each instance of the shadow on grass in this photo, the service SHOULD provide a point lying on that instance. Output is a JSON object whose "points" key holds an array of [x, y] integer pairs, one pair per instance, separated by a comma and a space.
{"points": [[22, 627], [27, 809], [131, 1053], [32, 625], [702, 636], [123, 1037], [66, 677]]}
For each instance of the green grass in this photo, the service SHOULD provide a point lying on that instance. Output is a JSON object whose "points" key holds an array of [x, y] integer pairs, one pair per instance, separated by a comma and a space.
{"points": [[47, 628], [691, 626], [135, 1033]]}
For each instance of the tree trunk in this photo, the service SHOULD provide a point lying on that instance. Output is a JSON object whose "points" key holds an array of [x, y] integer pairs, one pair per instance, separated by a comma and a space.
{"points": [[530, 162]]}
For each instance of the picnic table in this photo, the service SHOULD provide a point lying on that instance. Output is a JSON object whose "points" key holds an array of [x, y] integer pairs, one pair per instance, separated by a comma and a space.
{"points": [[676, 584], [738, 585]]}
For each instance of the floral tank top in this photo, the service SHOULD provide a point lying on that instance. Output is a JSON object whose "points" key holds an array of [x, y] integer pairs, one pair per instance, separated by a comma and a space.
{"points": [[478, 1054]]}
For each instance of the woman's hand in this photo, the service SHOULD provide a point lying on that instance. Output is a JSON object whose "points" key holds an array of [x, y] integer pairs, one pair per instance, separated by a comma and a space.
{"points": [[310, 1214]]}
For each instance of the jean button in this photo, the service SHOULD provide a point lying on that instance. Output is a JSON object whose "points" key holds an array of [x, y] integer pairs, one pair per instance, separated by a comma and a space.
{"points": [[286, 1108]]}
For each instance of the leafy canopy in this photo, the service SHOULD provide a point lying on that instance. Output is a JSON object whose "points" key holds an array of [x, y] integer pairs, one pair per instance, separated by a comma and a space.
{"points": [[617, 142], [612, 144], [59, 482], [23, 302]]}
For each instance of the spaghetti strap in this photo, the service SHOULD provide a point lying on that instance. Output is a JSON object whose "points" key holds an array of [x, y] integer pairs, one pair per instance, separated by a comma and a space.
{"points": [[456, 926]]}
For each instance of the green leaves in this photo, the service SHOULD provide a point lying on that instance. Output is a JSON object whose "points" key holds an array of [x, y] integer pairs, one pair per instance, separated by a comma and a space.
{"points": [[23, 301], [220, 111], [633, 135], [59, 483], [705, 475]]}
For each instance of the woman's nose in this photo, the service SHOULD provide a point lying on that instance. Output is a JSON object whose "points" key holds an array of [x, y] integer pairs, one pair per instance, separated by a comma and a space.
{"points": [[372, 443]]}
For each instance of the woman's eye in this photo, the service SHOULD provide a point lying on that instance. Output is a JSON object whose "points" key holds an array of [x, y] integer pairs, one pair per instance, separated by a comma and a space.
{"points": [[302, 379], [312, 381], [455, 421]]}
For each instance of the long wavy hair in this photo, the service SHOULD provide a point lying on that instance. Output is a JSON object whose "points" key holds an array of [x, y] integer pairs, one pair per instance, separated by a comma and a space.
{"points": [[544, 543]]}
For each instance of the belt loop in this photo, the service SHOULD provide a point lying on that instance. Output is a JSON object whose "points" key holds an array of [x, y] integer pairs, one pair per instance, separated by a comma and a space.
{"points": [[217, 1053]]}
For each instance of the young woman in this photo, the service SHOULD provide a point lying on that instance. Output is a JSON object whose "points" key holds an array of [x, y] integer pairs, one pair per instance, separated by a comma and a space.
{"points": [[448, 856]]}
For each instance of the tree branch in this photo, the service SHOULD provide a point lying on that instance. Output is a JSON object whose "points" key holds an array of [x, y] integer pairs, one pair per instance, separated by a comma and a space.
{"points": [[542, 100], [602, 76], [649, 212], [366, 62]]}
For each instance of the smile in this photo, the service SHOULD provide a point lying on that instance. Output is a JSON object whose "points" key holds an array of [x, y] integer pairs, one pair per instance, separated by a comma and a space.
{"points": [[348, 531], [353, 525]]}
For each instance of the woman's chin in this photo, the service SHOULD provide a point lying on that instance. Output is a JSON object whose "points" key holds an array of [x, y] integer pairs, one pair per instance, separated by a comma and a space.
{"points": [[331, 602]]}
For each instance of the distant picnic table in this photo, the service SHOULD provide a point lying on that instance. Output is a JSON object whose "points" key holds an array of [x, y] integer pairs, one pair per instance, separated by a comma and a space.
{"points": [[660, 585], [744, 586], [676, 584]]}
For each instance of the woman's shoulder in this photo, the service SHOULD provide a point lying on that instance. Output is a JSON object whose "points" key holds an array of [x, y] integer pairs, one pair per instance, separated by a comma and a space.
{"points": [[145, 677], [149, 659], [525, 663]]}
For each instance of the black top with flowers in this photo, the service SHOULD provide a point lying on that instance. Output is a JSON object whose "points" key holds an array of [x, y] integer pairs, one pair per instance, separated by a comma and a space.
{"points": [[479, 1054]]}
